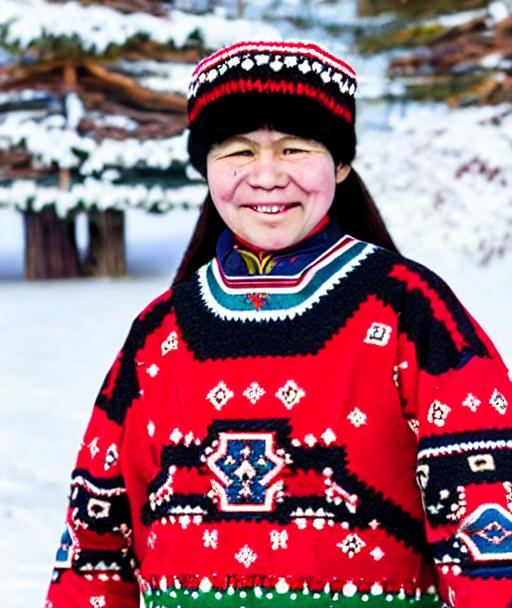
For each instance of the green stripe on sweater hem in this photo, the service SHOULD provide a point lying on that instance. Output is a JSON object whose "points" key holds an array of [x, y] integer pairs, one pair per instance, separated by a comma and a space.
{"points": [[179, 598]]}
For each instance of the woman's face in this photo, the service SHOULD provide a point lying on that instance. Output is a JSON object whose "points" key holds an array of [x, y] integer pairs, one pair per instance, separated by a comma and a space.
{"points": [[271, 188]]}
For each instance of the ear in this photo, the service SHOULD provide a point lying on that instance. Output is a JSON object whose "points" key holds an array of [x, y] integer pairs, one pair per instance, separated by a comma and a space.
{"points": [[342, 172]]}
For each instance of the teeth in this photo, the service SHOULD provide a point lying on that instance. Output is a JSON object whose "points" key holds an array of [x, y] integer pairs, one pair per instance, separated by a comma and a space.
{"points": [[269, 208]]}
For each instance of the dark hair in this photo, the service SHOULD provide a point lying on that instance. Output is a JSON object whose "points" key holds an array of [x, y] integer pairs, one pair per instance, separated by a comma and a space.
{"points": [[353, 207]]}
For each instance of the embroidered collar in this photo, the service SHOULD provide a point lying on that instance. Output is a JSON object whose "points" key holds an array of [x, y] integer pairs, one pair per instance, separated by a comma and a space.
{"points": [[279, 296], [237, 259]]}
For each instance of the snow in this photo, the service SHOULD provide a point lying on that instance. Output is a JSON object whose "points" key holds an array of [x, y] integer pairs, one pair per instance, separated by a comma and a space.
{"points": [[59, 339], [96, 28], [458, 18], [74, 109], [13, 97], [99, 194], [118, 121], [156, 153], [342, 13], [160, 76], [455, 162], [450, 170], [49, 140], [499, 10]]}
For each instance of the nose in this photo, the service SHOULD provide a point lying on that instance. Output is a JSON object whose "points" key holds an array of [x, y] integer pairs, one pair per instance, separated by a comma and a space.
{"points": [[267, 173]]}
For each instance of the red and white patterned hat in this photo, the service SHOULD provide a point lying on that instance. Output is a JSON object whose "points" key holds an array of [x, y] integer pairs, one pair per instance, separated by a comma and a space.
{"points": [[292, 87]]}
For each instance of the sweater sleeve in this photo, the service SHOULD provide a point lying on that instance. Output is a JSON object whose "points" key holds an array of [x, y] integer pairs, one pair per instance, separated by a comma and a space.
{"points": [[457, 396], [95, 563]]}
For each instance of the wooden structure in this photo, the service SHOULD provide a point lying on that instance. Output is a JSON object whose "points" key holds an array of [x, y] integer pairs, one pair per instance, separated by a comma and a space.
{"points": [[103, 99], [467, 64]]}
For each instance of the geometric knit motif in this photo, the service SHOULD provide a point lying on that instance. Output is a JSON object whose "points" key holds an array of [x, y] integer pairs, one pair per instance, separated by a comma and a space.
{"points": [[246, 472], [273, 81], [293, 306], [281, 57], [324, 458]]}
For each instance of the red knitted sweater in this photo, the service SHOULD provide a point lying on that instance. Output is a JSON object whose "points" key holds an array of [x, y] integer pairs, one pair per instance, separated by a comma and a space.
{"points": [[339, 437]]}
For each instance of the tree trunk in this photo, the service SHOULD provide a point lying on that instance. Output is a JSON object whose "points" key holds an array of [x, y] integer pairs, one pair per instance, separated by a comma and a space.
{"points": [[106, 255], [50, 246]]}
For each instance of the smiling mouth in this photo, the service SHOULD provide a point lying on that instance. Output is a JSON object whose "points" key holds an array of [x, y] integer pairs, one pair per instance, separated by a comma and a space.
{"points": [[272, 209]]}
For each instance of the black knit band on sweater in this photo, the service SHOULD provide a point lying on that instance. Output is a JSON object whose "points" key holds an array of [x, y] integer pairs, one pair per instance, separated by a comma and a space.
{"points": [[291, 87]]}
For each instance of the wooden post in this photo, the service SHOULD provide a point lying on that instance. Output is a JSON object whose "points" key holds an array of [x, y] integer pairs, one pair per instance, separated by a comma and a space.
{"points": [[69, 76], [50, 246], [106, 255]]}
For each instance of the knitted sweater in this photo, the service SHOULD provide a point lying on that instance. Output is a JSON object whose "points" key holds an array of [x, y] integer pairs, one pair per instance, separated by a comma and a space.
{"points": [[334, 436]]}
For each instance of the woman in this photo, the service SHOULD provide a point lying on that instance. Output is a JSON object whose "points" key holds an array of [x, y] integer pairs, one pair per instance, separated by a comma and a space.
{"points": [[306, 418]]}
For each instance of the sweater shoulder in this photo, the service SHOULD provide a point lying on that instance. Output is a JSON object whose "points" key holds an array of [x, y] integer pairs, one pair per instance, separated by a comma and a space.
{"points": [[402, 268], [433, 317], [151, 319], [410, 281], [160, 302], [120, 387]]}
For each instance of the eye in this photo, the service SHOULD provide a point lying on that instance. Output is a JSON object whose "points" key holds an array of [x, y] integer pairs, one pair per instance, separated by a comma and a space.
{"points": [[291, 150], [243, 152]]}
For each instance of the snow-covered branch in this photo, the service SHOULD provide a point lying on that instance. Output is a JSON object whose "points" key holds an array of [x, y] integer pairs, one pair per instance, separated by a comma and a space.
{"points": [[96, 194], [52, 140], [94, 29]]}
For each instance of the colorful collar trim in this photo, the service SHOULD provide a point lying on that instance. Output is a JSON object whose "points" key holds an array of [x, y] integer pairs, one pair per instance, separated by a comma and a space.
{"points": [[273, 297], [290, 261], [324, 222]]}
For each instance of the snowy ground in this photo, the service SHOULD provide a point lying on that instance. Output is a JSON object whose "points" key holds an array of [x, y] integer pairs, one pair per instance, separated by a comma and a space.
{"points": [[58, 340]]}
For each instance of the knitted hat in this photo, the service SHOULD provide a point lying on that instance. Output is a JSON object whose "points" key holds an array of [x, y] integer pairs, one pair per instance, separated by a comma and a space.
{"points": [[295, 88]]}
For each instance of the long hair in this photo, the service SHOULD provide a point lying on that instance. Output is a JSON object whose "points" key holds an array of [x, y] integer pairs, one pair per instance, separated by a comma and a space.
{"points": [[353, 207]]}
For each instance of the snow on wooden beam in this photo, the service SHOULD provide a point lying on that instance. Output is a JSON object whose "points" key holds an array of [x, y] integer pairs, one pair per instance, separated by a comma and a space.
{"points": [[96, 29], [152, 7], [27, 195], [137, 93], [49, 141], [74, 74]]}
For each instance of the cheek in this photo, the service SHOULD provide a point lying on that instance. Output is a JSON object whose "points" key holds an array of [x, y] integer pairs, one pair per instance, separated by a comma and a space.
{"points": [[318, 180], [221, 180]]}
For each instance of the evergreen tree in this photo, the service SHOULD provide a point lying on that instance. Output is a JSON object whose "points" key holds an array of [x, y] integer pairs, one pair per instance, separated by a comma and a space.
{"points": [[93, 118]]}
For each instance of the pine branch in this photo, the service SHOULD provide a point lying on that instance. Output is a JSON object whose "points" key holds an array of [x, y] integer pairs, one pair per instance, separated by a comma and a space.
{"points": [[152, 7], [137, 93], [12, 76]]}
